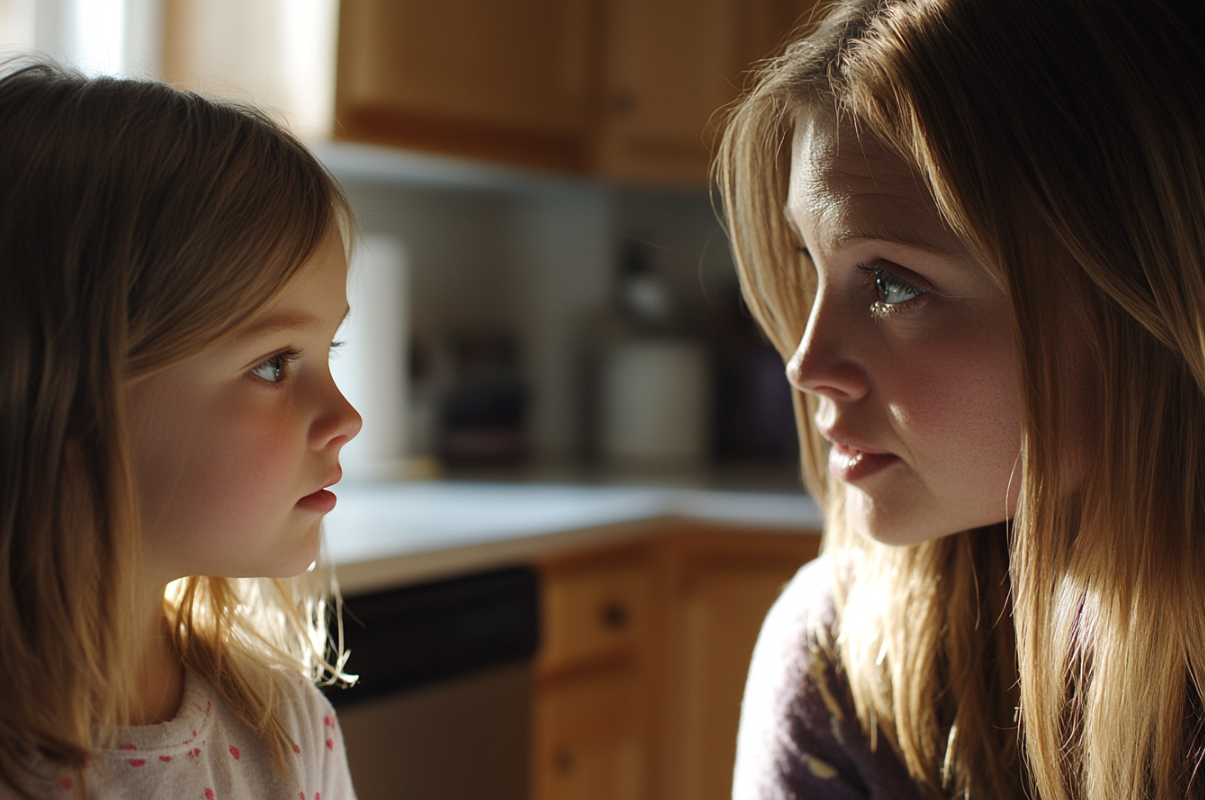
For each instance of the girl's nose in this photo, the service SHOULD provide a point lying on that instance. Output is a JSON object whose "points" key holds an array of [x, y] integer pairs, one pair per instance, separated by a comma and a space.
{"points": [[826, 362], [339, 423]]}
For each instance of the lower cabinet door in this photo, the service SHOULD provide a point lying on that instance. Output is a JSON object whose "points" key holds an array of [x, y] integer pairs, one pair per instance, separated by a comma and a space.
{"points": [[590, 742], [721, 610]]}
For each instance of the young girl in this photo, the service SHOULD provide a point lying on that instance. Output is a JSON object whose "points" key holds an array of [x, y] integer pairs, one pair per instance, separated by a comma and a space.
{"points": [[976, 231], [171, 275]]}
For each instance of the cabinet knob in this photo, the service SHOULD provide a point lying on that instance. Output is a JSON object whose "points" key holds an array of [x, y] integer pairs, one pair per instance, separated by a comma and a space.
{"points": [[622, 103], [563, 761], [615, 616]]}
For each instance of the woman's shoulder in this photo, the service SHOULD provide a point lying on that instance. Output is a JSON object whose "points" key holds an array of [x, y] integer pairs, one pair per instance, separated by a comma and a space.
{"points": [[795, 703], [799, 733]]}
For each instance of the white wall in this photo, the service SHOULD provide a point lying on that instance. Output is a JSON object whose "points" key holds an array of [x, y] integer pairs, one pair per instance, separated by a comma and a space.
{"points": [[539, 262], [111, 37]]}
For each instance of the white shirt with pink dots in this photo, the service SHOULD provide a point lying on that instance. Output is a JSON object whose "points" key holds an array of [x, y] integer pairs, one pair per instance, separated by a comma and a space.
{"points": [[208, 753]]}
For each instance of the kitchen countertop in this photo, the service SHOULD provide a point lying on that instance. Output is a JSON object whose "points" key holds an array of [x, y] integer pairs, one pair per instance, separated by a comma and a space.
{"points": [[382, 535]]}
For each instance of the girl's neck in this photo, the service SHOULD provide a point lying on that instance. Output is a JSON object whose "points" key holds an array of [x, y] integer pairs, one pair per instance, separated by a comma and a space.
{"points": [[159, 684]]}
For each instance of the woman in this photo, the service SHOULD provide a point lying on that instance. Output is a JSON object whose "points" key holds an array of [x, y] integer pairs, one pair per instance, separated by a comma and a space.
{"points": [[989, 283]]}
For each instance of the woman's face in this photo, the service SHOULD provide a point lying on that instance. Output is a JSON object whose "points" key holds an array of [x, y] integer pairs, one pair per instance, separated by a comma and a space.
{"points": [[908, 349]]}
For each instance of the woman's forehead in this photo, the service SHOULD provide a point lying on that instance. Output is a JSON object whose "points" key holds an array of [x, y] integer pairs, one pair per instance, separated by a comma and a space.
{"points": [[846, 185]]}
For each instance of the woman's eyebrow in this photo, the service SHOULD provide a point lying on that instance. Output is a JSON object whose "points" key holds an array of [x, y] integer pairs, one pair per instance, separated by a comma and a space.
{"points": [[837, 239], [901, 237]]}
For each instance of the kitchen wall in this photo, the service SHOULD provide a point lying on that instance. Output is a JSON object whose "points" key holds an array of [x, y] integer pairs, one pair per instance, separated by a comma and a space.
{"points": [[537, 258]]}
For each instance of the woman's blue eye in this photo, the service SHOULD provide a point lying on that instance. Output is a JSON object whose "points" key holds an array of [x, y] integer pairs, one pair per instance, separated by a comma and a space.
{"points": [[892, 289], [274, 369]]}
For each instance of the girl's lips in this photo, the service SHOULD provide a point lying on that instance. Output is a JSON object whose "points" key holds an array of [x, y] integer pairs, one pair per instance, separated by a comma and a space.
{"points": [[321, 501], [851, 465]]}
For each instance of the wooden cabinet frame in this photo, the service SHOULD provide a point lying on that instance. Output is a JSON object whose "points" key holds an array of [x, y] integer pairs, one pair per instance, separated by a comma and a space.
{"points": [[674, 680]]}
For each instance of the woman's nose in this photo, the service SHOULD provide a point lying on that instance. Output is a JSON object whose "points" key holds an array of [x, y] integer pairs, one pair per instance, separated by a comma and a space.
{"points": [[826, 362]]}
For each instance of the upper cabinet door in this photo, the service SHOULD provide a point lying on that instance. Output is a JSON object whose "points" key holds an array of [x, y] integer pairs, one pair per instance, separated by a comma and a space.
{"points": [[673, 68], [669, 68], [510, 81]]}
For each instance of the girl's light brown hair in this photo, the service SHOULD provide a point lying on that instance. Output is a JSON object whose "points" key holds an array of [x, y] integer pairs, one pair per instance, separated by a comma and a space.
{"points": [[1062, 141], [138, 226]]}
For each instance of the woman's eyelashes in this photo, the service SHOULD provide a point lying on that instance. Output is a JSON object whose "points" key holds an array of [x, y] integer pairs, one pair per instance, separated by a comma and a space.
{"points": [[894, 293], [276, 368], [892, 290]]}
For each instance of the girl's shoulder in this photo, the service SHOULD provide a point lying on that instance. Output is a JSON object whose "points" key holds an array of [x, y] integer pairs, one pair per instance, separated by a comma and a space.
{"points": [[319, 760], [311, 721], [207, 751], [234, 760], [799, 733]]}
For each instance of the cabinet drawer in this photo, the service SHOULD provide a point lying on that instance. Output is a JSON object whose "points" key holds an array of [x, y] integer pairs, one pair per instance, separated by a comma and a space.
{"points": [[593, 612]]}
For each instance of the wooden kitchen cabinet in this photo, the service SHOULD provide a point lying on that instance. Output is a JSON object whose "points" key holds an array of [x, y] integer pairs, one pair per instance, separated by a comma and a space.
{"points": [[590, 737], [618, 88], [643, 659], [716, 586], [672, 66], [591, 724], [626, 89], [594, 608], [506, 81]]}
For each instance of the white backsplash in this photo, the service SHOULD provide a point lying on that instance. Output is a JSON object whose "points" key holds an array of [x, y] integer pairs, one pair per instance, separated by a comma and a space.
{"points": [[370, 365], [537, 260]]}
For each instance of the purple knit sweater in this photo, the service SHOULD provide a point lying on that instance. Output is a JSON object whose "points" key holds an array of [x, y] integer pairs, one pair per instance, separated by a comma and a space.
{"points": [[799, 737]]}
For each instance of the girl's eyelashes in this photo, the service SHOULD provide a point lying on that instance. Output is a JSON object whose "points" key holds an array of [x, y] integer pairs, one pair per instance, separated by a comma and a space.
{"points": [[892, 290], [276, 368]]}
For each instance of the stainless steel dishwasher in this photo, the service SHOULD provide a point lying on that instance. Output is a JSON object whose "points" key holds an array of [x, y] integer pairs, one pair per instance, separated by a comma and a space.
{"points": [[442, 708]]}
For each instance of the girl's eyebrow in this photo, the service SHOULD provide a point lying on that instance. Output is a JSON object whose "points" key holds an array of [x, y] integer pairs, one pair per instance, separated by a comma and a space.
{"points": [[285, 322]]}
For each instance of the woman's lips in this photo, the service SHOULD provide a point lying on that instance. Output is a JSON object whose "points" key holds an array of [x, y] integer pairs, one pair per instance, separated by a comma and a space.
{"points": [[321, 501], [849, 464]]}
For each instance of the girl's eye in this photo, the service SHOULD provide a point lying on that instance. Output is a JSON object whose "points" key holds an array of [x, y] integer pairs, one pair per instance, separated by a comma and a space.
{"points": [[275, 368], [891, 288]]}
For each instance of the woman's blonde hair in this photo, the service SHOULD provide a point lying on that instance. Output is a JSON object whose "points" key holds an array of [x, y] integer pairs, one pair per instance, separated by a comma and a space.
{"points": [[1064, 142], [138, 226]]}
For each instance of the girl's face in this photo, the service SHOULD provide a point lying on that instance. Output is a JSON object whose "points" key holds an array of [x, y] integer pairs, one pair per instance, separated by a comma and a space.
{"points": [[234, 447], [908, 348]]}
